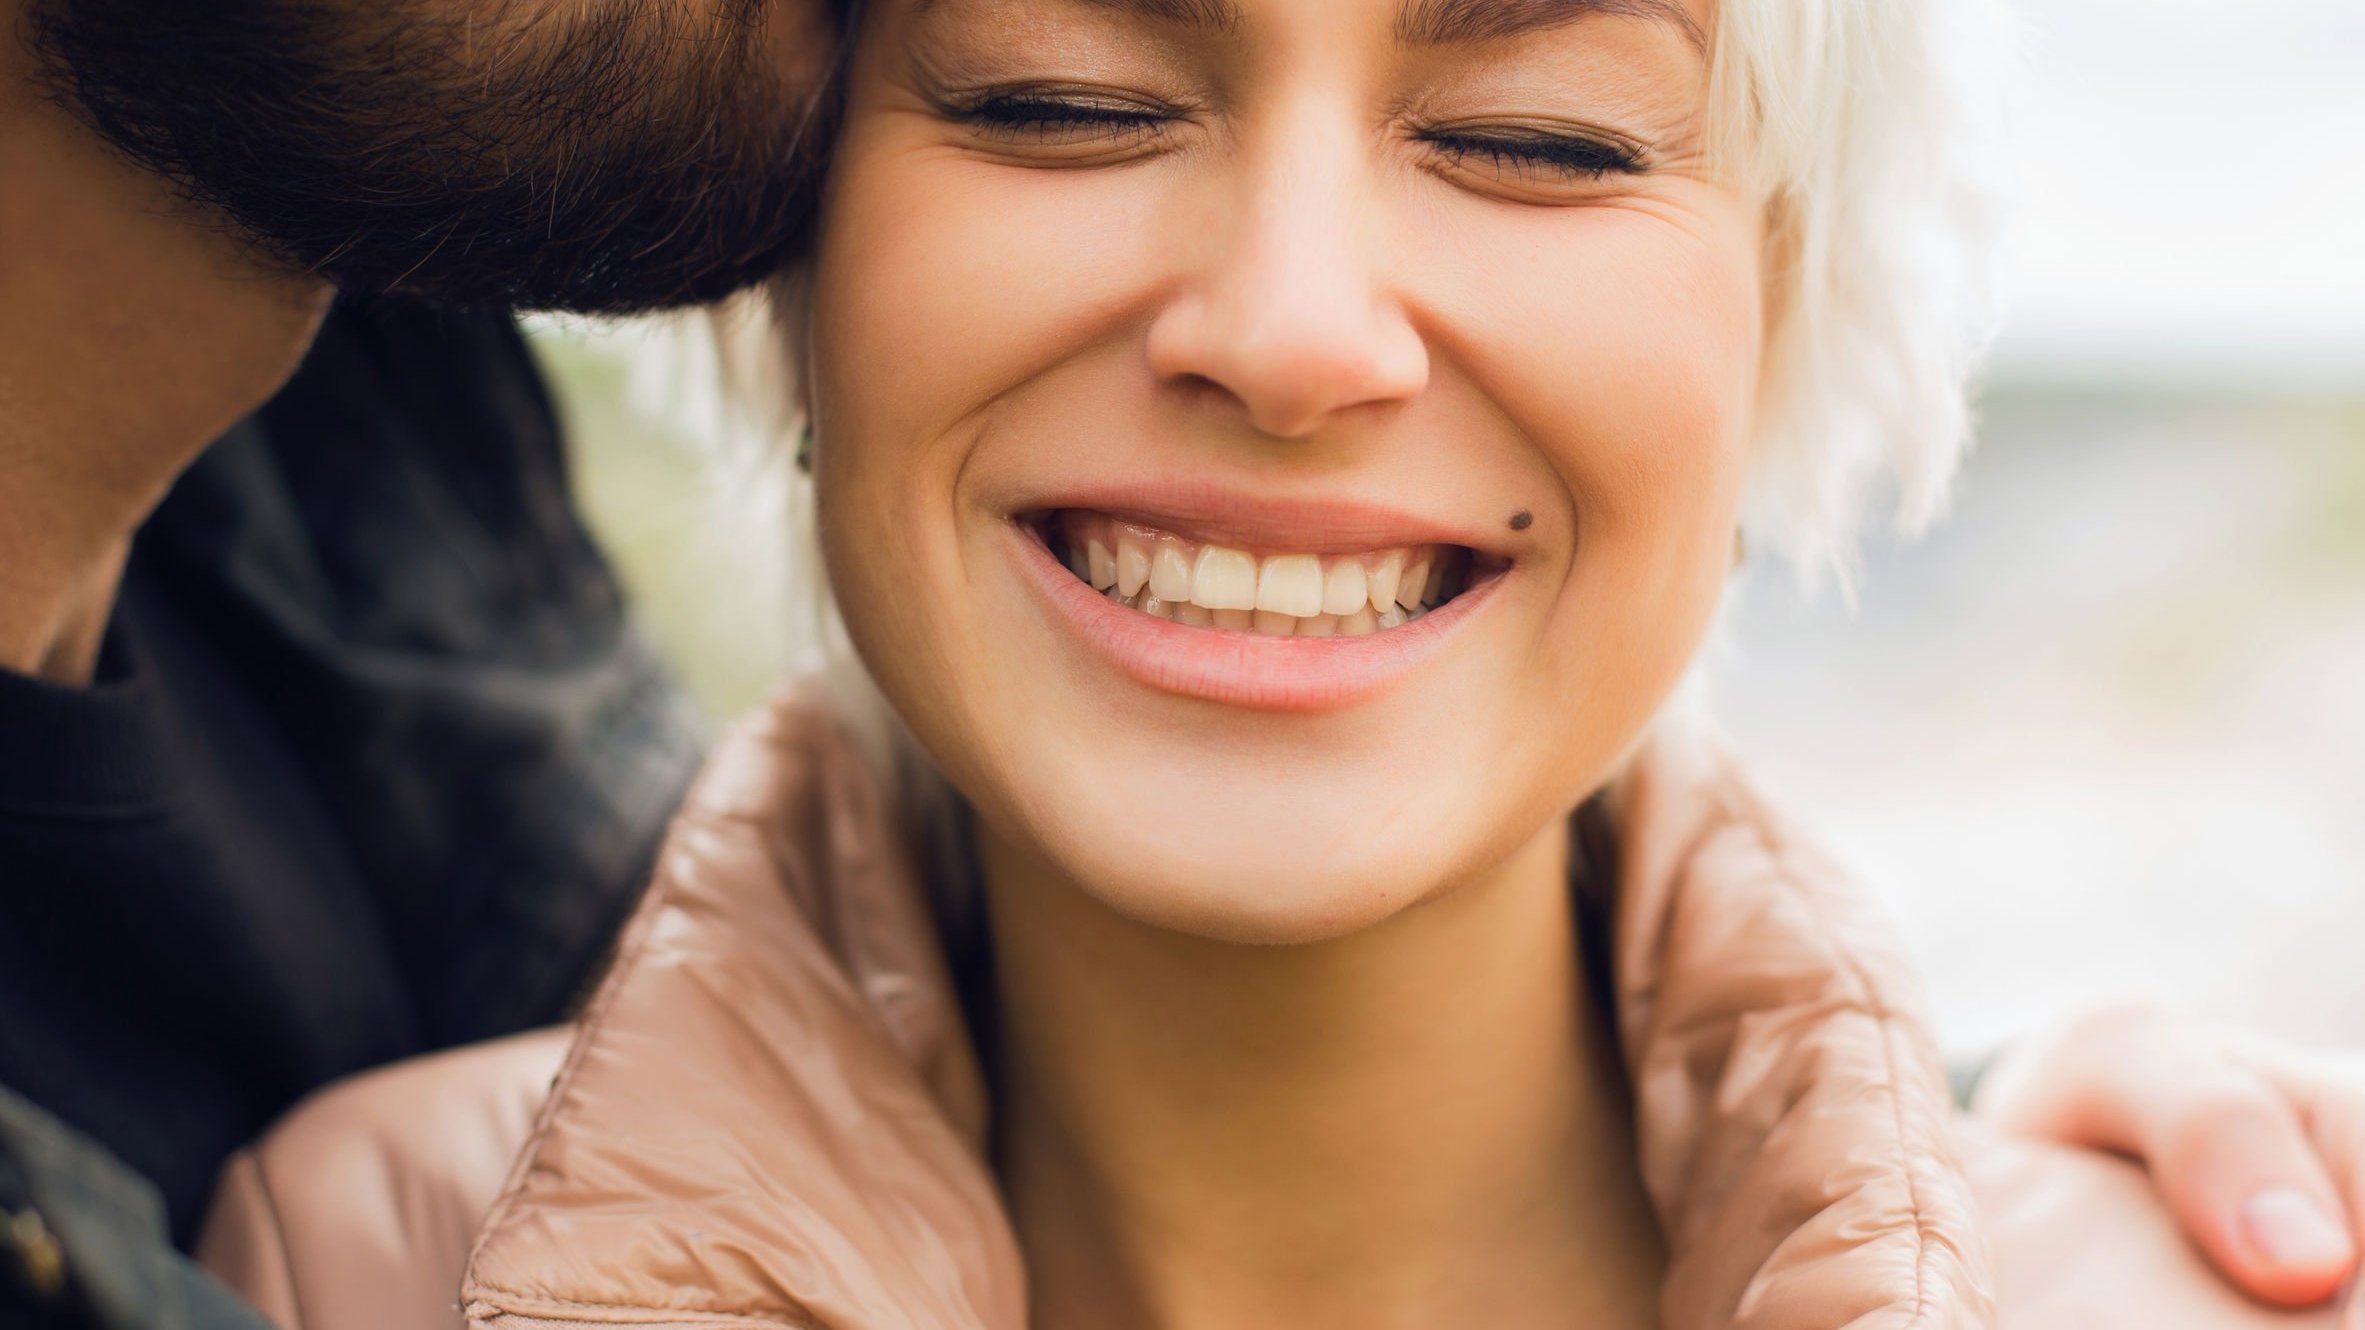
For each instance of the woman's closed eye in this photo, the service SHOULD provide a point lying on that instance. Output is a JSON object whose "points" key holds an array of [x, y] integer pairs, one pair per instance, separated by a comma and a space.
{"points": [[1527, 156], [1097, 128], [1095, 121]]}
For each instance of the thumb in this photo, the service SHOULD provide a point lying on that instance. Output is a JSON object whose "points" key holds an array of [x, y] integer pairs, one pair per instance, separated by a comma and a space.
{"points": [[2327, 1092], [2225, 1143], [2239, 1173]]}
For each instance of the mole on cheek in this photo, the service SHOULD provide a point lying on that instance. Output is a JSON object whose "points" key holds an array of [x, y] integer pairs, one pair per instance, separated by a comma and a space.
{"points": [[1522, 520]]}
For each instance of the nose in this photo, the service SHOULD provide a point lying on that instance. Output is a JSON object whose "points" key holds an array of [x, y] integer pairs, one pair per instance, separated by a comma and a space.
{"points": [[1287, 312]]}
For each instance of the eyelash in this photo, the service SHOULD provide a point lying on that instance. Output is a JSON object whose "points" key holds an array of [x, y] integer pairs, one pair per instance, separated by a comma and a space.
{"points": [[1566, 156], [1017, 117]]}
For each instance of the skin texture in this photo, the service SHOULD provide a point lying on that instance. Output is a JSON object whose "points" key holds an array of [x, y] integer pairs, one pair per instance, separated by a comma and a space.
{"points": [[1228, 934]]}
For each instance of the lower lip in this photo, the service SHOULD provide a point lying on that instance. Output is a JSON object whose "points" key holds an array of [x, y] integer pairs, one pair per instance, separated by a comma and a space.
{"points": [[1239, 669]]}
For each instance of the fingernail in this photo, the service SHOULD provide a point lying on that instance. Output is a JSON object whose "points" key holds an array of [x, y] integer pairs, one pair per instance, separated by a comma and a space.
{"points": [[2292, 1230]]}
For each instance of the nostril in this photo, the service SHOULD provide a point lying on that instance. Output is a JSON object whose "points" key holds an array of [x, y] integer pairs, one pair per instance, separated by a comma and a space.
{"points": [[1199, 389], [1290, 361]]}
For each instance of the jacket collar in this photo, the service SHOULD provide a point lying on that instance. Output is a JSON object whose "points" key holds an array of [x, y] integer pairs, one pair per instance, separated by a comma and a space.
{"points": [[785, 971]]}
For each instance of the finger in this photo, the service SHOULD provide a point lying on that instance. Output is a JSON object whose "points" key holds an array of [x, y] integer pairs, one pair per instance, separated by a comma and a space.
{"points": [[2240, 1174], [2327, 1092], [2226, 1148]]}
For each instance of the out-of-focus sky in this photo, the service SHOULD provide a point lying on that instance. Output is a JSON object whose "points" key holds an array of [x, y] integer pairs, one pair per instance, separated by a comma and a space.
{"points": [[2190, 182]]}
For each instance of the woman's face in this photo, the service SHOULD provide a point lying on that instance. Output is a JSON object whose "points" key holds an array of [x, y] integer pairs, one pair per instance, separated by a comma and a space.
{"points": [[1160, 344]]}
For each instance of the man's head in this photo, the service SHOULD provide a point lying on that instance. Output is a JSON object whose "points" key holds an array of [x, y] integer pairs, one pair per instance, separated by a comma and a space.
{"points": [[602, 157]]}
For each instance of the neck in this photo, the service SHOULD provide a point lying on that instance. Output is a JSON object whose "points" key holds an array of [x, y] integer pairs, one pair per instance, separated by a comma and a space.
{"points": [[132, 332], [1418, 1125]]}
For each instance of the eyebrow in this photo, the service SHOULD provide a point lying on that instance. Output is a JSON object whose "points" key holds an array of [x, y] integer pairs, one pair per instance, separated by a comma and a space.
{"points": [[1429, 22], [1462, 22], [1197, 15], [1434, 22], [1217, 16]]}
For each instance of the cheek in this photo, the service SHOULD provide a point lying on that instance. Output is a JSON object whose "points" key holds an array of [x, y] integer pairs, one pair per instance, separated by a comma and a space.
{"points": [[947, 292], [1643, 410], [947, 283], [1626, 348]]}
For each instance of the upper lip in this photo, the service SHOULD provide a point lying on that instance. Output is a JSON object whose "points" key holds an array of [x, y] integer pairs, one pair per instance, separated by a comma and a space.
{"points": [[1215, 513]]}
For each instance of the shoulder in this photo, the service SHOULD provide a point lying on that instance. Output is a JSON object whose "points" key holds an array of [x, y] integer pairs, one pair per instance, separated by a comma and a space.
{"points": [[2080, 1239], [358, 1211]]}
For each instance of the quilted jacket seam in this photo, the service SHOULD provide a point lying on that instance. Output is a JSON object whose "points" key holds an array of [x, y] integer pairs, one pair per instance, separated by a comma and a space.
{"points": [[500, 1300], [509, 1302], [1745, 812], [593, 1019]]}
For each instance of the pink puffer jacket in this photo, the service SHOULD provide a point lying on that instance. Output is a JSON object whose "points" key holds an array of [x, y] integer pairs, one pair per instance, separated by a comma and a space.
{"points": [[770, 1116]]}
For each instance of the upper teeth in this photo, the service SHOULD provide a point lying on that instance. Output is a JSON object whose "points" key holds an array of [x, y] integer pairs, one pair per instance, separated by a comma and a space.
{"points": [[1217, 586]]}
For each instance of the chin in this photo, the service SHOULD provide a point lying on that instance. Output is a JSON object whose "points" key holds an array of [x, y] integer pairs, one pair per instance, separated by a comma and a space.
{"points": [[1242, 846], [1246, 889]]}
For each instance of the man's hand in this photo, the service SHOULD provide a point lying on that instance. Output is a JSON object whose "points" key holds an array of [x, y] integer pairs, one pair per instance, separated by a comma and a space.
{"points": [[2259, 1150]]}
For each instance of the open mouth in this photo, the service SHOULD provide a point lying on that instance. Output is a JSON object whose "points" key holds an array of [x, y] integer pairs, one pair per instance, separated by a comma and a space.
{"points": [[1204, 585]]}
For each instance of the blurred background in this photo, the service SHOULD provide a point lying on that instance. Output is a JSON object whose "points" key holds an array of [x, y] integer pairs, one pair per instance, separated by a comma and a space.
{"points": [[2102, 733]]}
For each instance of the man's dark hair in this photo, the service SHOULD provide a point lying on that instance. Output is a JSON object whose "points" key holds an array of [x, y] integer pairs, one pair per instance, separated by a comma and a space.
{"points": [[603, 158]]}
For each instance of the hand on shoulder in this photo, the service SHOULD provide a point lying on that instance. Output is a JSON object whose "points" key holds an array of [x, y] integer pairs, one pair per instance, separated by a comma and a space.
{"points": [[2255, 1155]]}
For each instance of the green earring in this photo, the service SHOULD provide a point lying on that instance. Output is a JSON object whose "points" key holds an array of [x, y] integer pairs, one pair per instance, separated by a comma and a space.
{"points": [[805, 448]]}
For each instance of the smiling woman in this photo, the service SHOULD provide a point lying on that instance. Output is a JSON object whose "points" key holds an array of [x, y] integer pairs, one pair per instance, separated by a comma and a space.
{"points": [[1277, 290], [1276, 462]]}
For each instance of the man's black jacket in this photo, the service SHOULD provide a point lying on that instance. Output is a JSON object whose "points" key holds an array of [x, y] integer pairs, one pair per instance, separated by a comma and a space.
{"points": [[374, 764]]}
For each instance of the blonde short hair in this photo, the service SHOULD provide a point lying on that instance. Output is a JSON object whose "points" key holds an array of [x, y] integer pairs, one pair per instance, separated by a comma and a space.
{"points": [[1863, 124]]}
